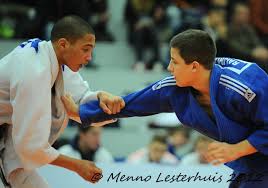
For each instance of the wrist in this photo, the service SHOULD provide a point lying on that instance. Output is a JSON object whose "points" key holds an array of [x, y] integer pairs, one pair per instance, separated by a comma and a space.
{"points": [[244, 148]]}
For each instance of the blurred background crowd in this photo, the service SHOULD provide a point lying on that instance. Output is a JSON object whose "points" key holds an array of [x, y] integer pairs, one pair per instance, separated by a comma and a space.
{"points": [[133, 47]]}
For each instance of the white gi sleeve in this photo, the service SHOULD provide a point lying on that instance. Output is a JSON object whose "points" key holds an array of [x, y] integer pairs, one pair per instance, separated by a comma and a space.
{"points": [[77, 87]]}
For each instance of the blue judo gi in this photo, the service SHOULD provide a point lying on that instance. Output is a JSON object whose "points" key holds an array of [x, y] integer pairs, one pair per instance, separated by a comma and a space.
{"points": [[239, 102]]}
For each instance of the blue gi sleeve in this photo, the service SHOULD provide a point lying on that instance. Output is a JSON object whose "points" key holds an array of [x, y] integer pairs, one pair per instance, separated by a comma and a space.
{"points": [[259, 115], [148, 101]]}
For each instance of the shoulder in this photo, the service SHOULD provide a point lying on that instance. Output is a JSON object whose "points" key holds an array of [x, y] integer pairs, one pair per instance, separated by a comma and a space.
{"points": [[32, 54], [241, 78], [165, 82], [167, 86]]}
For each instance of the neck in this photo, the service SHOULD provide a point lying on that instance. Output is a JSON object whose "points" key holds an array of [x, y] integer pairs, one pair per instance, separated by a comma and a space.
{"points": [[57, 52], [202, 83]]}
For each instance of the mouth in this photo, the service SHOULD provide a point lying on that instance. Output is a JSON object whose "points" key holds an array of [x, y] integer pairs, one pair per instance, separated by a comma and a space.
{"points": [[82, 65]]}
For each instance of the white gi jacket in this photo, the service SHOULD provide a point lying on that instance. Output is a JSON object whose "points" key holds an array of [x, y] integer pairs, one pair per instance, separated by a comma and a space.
{"points": [[27, 75]]}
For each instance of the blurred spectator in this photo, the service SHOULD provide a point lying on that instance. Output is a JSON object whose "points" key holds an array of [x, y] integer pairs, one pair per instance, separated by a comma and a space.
{"points": [[15, 17], [99, 18], [259, 16], [215, 24], [87, 145], [219, 3], [243, 41], [162, 23], [192, 13], [177, 137], [142, 32], [156, 152], [198, 156], [175, 15]]}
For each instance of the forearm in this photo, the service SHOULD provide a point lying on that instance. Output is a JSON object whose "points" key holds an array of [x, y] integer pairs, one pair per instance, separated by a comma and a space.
{"points": [[86, 169], [66, 162]]}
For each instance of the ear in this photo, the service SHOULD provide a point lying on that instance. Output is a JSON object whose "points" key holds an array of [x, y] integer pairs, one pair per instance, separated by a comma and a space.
{"points": [[63, 43], [195, 66]]}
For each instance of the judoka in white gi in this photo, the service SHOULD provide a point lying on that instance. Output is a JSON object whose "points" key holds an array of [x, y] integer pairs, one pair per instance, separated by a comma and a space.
{"points": [[32, 115]]}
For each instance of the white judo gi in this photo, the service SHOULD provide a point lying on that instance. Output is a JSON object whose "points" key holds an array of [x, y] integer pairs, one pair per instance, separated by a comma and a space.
{"points": [[27, 75]]}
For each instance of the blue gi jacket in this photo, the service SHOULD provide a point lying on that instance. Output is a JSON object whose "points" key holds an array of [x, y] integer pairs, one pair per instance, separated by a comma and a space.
{"points": [[239, 102]]}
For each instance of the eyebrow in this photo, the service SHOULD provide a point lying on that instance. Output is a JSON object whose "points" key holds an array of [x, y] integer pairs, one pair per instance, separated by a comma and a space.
{"points": [[90, 45], [173, 59]]}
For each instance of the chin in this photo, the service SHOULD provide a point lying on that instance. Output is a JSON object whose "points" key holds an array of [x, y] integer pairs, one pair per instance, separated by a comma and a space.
{"points": [[75, 69], [179, 84]]}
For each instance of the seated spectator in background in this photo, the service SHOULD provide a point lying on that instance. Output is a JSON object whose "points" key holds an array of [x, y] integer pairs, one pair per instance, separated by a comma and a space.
{"points": [[44, 20], [177, 137], [155, 152], [243, 41], [142, 32], [162, 22], [99, 18], [198, 156], [214, 23], [87, 145], [259, 17]]}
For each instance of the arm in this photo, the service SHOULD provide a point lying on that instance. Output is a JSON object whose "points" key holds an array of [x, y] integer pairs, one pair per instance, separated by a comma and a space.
{"points": [[146, 102], [77, 87], [86, 169], [81, 93], [221, 152], [256, 112]]}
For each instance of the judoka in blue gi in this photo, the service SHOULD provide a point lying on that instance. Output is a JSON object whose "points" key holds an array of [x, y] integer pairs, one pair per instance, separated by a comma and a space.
{"points": [[223, 98]]}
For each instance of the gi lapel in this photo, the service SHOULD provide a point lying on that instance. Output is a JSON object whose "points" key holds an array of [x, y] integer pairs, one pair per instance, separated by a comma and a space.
{"points": [[59, 116]]}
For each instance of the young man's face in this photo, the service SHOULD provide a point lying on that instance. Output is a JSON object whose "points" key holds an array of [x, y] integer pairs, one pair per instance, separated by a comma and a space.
{"points": [[157, 151], [92, 138], [79, 53], [179, 139], [181, 71]]}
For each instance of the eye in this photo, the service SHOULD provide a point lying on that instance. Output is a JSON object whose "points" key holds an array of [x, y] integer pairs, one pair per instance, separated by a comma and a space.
{"points": [[172, 61], [85, 50]]}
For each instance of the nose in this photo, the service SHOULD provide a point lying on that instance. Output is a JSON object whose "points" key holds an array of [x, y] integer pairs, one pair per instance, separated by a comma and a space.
{"points": [[88, 57]]}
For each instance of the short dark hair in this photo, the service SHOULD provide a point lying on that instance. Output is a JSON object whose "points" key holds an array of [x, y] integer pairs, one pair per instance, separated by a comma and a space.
{"points": [[180, 129], [195, 45], [71, 28], [159, 138]]}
